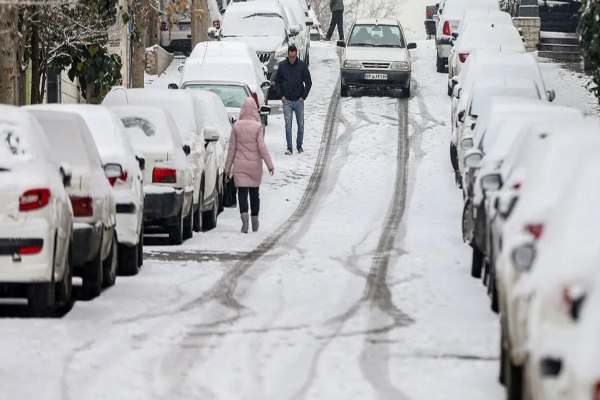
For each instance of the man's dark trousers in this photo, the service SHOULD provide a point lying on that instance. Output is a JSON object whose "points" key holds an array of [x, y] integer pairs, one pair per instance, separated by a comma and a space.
{"points": [[337, 18]]}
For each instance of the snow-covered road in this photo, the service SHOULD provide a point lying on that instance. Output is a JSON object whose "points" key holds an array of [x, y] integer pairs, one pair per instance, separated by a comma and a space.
{"points": [[356, 287]]}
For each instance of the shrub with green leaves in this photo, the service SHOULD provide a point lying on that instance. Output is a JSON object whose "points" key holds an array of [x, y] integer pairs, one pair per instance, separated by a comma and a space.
{"points": [[590, 36]]}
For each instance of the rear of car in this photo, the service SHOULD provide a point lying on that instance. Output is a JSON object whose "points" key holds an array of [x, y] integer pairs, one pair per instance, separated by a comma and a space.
{"points": [[232, 94], [376, 56], [168, 179], [35, 216], [450, 15], [299, 31], [94, 246]]}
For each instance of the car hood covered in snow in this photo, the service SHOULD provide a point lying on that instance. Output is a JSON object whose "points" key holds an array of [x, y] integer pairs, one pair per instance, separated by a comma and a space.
{"points": [[377, 54]]}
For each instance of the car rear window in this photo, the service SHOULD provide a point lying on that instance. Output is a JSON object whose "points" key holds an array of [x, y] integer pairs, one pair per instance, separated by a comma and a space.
{"points": [[147, 133], [253, 24], [376, 36], [231, 95], [14, 145]]}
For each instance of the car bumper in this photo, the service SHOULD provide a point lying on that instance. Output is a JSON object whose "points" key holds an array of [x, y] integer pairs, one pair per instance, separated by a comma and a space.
{"points": [[128, 228], [395, 79], [162, 205], [26, 268], [87, 239]]}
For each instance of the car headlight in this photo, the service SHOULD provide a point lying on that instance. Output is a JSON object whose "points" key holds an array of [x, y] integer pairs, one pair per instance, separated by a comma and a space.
{"points": [[523, 257], [400, 66], [352, 64], [467, 143]]}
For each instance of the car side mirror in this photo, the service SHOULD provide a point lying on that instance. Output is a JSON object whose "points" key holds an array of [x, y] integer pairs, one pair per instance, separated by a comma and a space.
{"points": [[456, 91], [113, 170], [211, 135], [173, 86], [551, 94], [265, 85], [341, 43], [309, 23], [232, 120], [187, 149], [141, 162], [265, 110], [411, 46], [66, 173]]}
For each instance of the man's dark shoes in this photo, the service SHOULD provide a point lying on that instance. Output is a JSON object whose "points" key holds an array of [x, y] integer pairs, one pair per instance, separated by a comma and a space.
{"points": [[300, 150], [288, 152]]}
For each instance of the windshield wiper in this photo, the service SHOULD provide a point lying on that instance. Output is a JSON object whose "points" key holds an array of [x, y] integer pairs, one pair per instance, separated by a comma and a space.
{"points": [[390, 45], [268, 15], [363, 44]]}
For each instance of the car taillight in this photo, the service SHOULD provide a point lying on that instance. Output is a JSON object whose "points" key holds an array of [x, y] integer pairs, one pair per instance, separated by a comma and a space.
{"points": [[463, 57], [34, 199], [217, 24], [428, 14], [164, 26], [164, 175], [597, 391], [536, 230], [255, 97], [122, 178], [29, 250], [82, 206], [446, 29]]}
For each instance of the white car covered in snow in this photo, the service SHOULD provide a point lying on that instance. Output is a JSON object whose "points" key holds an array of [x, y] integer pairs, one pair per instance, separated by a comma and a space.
{"points": [[301, 23], [94, 251], [483, 35], [128, 188], [201, 149], [36, 219], [450, 14], [168, 176], [526, 240]]}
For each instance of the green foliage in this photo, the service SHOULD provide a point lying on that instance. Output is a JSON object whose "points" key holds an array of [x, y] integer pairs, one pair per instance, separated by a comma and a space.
{"points": [[95, 65], [590, 36]]}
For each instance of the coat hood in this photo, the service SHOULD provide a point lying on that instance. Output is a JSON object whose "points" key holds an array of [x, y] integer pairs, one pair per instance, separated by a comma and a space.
{"points": [[249, 110]]}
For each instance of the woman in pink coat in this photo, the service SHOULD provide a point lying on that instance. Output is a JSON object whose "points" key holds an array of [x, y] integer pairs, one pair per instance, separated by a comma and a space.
{"points": [[247, 151]]}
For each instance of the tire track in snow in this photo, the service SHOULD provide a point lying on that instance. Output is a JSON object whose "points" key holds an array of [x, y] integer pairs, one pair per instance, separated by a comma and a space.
{"points": [[376, 293]]}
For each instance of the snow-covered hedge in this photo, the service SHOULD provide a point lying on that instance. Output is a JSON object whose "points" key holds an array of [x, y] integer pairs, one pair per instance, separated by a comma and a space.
{"points": [[590, 35]]}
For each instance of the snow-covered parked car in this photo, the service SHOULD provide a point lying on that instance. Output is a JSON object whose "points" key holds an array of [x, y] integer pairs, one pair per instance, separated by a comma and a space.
{"points": [[36, 219], [376, 56], [316, 31], [483, 35], [94, 252], [229, 69], [300, 23], [168, 176], [262, 25], [128, 188], [185, 110], [527, 237], [450, 13], [482, 94]]}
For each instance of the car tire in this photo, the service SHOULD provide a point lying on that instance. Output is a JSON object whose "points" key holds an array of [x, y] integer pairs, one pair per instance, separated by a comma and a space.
{"points": [[64, 288], [450, 91], [92, 277], [128, 260], [406, 92], [440, 65], [40, 299], [176, 231], [110, 266], [140, 247], [467, 223], [344, 90], [513, 378], [188, 225], [209, 218], [476, 263], [198, 218]]}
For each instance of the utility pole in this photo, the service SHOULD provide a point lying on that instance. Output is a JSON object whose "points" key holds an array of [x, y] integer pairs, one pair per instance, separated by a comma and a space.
{"points": [[9, 89], [200, 21]]}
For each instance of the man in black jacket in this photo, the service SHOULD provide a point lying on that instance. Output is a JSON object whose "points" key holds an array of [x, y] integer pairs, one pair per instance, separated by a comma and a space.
{"points": [[337, 18], [293, 82]]}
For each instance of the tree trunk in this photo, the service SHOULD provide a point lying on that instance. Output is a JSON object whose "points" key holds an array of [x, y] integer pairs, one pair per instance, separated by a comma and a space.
{"points": [[9, 92], [36, 67], [91, 94], [138, 45], [200, 21]]}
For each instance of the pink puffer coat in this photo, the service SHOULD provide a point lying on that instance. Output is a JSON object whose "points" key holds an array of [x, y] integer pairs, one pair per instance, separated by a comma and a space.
{"points": [[247, 148]]}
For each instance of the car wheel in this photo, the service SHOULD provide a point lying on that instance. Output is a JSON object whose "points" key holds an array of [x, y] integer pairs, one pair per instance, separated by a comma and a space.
{"points": [[64, 288], [188, 225], [440, 65], [198, 218], [406, 92], [111, 264], [344, 90], [209, 218], [450, 91], [492, 289], [140, 247], [476, 263], [513, 378], [128, 259], [176, 231], [468, 226], [92, 277], [40, 299]]}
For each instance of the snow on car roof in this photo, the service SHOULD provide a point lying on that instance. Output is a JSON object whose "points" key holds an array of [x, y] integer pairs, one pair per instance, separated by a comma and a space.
{"points": [[222, 48], [455, 9], [220, 69], [17, 141], [177, 102], [211, 110], [489, 35], [376, 21], [487, 15], [483, 92], [262, 6]]}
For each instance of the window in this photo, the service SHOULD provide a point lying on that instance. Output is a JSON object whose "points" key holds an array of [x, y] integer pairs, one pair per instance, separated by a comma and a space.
{"points": [[231, 95], [376, 36]]}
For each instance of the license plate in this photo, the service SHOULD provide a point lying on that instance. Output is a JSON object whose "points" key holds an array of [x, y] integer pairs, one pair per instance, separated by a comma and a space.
{"points": [[185, 26], [376, 77]]}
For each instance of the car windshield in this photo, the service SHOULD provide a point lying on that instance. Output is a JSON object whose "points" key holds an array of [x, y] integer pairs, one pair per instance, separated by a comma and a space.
{"points": [[376, 36], [257, 24], [231, 95]]}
